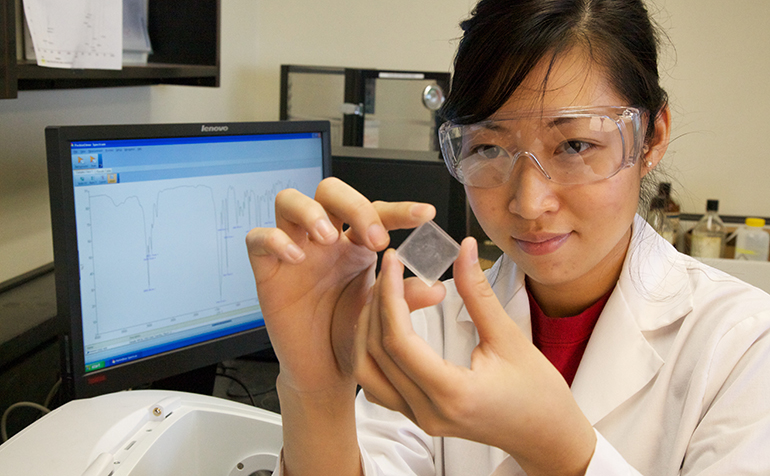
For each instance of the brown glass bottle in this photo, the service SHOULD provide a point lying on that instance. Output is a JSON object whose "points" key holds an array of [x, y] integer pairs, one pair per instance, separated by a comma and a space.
{"points": [[671, 208]]}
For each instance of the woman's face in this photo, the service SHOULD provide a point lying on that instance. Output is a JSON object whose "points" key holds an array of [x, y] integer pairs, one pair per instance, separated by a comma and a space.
{"points": [[570, 240]]}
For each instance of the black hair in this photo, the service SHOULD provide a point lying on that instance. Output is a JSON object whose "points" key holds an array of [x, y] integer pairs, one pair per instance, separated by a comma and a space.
{"points": [[504, 40]]}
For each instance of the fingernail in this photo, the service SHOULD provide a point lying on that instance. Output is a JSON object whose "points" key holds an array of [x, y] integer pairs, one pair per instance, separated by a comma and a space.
{"points": [[474, 251], [420, 210], [325, 228], [295, 252], [377, 235]]}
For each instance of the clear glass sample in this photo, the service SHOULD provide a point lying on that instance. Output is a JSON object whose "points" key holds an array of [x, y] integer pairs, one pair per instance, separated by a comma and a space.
{"points": [[428, 251]]}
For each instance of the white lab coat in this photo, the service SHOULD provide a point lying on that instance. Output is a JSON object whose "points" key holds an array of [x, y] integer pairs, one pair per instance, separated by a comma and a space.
{"points": [[675, 378]]}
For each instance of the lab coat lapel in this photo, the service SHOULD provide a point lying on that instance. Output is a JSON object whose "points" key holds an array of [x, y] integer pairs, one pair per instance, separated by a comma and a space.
{"points": [[617, 363]]}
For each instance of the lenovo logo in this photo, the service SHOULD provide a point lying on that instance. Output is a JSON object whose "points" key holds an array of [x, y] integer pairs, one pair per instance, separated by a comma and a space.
{"points": [[205, 128]]}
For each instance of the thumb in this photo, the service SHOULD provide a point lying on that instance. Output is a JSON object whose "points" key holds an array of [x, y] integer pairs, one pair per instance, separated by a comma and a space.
{"points": [[482, 304]]}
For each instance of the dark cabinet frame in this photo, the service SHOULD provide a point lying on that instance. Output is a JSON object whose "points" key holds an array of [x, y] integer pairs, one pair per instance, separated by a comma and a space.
{"points": [[355, 93]]}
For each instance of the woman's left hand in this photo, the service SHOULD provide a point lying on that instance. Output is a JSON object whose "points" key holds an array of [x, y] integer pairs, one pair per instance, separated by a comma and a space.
{"points": [[511, 397]]}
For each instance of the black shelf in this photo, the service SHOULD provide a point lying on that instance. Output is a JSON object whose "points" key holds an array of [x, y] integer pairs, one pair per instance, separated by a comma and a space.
{"points": [[31, 76]]}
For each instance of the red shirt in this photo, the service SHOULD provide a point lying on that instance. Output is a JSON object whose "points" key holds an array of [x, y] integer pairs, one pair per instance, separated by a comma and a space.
{"points": [[564, 339]]}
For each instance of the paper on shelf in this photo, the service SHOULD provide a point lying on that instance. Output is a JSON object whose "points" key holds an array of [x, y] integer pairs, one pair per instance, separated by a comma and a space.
{"points": [[84, 34], [136, 38]]}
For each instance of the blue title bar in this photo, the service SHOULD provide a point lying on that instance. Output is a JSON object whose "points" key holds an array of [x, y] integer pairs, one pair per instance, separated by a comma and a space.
{"points": [[189, 140]]}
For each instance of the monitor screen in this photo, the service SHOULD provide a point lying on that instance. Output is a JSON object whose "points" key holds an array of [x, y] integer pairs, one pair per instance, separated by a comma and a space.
{"points": [[149, 226]]}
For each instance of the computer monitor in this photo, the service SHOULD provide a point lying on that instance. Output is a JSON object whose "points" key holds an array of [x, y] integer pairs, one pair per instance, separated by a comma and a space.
{"points": [[149, 225]]}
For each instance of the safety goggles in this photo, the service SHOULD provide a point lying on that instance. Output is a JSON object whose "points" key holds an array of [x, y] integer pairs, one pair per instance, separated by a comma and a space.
{"points": [[569, 145]]}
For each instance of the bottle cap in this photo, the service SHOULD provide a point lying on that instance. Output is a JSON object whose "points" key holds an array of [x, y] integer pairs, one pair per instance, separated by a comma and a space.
{"points": [[657, 202], [712, 205], [757, 222]]}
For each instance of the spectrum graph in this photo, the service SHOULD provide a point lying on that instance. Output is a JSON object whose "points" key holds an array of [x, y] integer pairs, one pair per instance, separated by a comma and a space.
{"points": [[159, 234]]}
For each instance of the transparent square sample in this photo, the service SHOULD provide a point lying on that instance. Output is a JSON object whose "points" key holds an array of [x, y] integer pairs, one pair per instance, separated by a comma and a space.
{"points": [[428, 251]]}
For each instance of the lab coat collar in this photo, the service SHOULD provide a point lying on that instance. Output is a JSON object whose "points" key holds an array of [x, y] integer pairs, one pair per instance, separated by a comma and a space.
{"points": [[652, 292], [654, 280]]}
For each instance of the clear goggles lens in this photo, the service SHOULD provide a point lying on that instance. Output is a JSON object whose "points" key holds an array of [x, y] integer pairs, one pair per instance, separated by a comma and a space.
{"points": [[569, 146]]}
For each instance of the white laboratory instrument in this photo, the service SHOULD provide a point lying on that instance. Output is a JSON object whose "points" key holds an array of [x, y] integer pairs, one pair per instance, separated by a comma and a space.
{"points": [[755, 273], [147, 432]]}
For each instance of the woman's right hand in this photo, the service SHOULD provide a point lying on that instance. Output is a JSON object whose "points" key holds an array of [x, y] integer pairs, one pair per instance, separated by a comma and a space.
{"points": [[311, 275]]}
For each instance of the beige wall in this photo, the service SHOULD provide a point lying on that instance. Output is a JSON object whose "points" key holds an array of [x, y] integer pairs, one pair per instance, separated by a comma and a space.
{"points": [[717, 86], [717, 72]]}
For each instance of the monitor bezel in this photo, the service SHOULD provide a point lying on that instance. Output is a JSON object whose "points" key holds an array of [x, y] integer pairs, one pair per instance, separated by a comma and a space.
{"points": [[76, 383]]}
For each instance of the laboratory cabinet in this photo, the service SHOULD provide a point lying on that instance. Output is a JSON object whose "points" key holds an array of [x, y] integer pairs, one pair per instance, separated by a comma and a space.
{"points": [[371, 108], [185, 42]]}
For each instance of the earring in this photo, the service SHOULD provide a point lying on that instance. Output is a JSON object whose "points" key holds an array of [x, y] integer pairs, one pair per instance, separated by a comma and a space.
{"points": [[649, 163]]}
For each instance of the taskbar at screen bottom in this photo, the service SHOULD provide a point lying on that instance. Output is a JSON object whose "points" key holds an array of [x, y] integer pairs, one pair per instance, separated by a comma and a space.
{"points": [[169, 346]]}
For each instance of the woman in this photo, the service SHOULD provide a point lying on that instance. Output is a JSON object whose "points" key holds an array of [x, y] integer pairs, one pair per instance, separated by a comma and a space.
{"points": [[643, 361]]}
